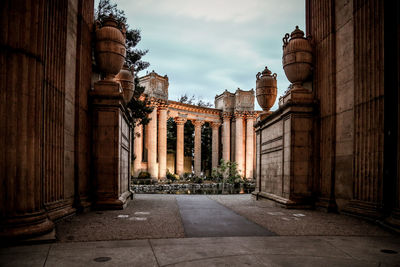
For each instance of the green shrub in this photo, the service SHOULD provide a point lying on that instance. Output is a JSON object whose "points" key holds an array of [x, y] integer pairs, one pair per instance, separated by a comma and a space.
{"points": [[197, 180], [144, 175], [227, 172], [171, 176]]}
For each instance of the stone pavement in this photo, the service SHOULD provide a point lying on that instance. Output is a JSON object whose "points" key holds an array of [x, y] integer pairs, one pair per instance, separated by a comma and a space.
{"points": [[203, 217], [153, 222]]}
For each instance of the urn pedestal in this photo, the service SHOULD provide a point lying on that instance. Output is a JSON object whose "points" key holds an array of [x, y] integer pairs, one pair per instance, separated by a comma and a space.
{"points": [[111, 146]]}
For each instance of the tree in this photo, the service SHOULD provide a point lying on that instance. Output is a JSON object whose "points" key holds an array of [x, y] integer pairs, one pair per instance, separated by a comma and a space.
{"points": [[133, 58]]}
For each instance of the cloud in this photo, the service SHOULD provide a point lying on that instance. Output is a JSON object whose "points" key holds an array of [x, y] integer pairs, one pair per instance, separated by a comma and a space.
{"points": [[208, 46]]}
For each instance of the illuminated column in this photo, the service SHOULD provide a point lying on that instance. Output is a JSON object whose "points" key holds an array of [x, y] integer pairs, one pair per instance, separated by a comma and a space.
{"points": [[197, 146], [152, 142], [215, 144], [239, 144], [249, 145], [138, 149], [162, 141], [180, 123], [226, 136]]}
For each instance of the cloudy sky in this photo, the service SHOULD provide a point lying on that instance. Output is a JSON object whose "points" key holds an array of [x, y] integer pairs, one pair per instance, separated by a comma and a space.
{"points": [[207, 46]]}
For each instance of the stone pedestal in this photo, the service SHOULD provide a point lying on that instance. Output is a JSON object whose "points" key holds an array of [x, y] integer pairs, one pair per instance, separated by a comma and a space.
{"points": [[111, 146], [284, 153]]}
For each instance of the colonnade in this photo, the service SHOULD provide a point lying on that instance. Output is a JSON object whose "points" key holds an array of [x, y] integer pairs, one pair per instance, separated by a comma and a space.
{"points": [[156, 133]]}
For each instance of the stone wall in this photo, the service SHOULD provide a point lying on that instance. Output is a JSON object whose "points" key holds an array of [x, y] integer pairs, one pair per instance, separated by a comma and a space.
{"points": [[353, 154]]}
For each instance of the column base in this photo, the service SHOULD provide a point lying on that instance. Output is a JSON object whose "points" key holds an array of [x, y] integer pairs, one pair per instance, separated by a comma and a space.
{"points": [[60, 210], [326, 204], [300, 203], [24, 227], [393, 222], [114, 204], [363, 209]]}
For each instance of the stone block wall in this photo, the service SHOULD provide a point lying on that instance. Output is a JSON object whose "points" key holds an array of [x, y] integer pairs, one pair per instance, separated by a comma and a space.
{"points": [[351, 144]]}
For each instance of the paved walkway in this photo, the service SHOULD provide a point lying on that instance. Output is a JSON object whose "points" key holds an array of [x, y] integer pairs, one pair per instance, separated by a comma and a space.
{"points": [[203, 217], [157, 224]]}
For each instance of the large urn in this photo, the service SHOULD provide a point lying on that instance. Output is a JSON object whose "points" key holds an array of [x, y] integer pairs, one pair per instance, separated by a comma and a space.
{"points": [[266, 89], [126, 78], [110, 47], [297, 58]]}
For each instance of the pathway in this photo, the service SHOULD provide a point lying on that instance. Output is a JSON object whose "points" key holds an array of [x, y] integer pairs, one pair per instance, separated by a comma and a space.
{"points": [[204, 217]]}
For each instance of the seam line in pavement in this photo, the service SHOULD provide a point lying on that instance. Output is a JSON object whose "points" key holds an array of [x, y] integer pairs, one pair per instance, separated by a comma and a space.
{"points": [[180, 217], [327, 241], [47, 256], [209, 258], [152, 249]]}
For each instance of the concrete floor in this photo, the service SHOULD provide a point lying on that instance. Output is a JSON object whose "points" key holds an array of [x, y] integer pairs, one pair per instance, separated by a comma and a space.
{"points": [[304, 238]]}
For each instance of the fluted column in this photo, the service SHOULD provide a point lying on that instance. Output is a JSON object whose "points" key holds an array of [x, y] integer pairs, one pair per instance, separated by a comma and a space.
{"points": [[239, 144], [162, 141], [215, 144], [180, 123], [226, 136], [138, 149], [249, 145], [21, 103], [197, 146], [152, 142]]}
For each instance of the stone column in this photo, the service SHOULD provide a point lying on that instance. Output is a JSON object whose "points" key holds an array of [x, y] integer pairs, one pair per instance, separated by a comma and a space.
{"points": [[162, 141], [197, 146], [152, 142], [249, 145], [239, 144], [21, 103], [215, 144], [180, 123], [226, 136], [138, 149]]}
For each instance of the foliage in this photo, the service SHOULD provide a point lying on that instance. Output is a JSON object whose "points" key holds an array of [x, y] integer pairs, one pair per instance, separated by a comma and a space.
{"points": [[172, 177], [144, 175], [227, 172]]}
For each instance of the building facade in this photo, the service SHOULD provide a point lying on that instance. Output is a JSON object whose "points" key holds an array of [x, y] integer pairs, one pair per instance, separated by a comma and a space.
{"points": [[231, 121]]}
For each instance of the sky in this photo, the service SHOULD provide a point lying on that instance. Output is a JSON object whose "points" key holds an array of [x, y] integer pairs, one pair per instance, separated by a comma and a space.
{"points": [[207, 46]]}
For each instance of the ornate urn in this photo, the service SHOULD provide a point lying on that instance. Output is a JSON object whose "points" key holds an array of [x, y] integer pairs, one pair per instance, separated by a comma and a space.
{"points": [[266, 89], [110, 47], [297, 57], [126, 77]]}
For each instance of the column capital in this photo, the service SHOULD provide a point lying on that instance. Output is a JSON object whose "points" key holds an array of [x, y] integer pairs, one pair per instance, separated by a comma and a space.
{"points": [[251, 115], [215, 125], [240, 114], [152, 102], [180, 120], [162, 105], [198, 123], [226, 115]]}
